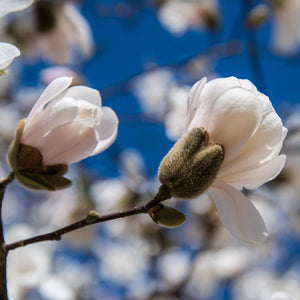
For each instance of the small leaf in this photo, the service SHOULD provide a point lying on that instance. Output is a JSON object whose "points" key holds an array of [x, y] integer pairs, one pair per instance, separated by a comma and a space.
{"points": [[58, 182], [33, 181], [167, 216]]}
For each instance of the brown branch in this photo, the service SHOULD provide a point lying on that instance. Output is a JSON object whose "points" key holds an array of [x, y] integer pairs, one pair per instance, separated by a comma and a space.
{"points": [[162, 194], [3, 253]]}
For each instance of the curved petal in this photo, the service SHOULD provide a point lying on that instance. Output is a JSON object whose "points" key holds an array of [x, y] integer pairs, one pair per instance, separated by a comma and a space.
{"points": [[255, 177], [56, 87], [7, 54], [88, 94], [248, 85], [193, 100], [263, 146], [67, 143], [82, 30], [61, 112], [107, 130], [238, 214], [231, 118], [13, 5]]}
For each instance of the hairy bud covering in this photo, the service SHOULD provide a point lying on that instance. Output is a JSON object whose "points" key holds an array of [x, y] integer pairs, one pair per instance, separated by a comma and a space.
{"points": [[191, 166]]}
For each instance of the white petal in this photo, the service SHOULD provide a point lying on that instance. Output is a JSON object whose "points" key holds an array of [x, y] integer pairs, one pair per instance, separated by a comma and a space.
{"points": [[246, 84], [238, 214], [61, 112], [7, 54], [193, 99], [7, 7], [80, 92], [55, 88], [252, 178], [55, 47], [231, 118], [68, 143], [107, 130], [82, 31], [263, 146]]}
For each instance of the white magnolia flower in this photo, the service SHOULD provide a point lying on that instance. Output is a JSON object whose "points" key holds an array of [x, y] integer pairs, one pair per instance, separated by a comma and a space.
{"points": [[10, 6], [244, 122], [68, 124], [178, 16], [71, 31], [7, 54], [286, 35]]}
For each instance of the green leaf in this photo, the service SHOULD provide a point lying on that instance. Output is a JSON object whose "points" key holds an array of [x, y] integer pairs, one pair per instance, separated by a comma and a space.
{"points": [[167, 216]]}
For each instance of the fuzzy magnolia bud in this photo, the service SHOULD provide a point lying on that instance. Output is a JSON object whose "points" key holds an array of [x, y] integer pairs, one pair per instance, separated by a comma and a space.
{"points": [[27, 164], [191, 166], [167, 216]]}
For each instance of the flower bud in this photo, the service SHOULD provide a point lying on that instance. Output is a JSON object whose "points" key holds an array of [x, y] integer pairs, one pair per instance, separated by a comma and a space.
{"points": [[92, 216], [191, 166], [27, 163], [167, 216]]}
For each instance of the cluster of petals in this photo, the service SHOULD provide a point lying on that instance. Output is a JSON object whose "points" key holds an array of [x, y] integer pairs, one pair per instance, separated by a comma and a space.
{"points": [[245, 123], [69, 124]]}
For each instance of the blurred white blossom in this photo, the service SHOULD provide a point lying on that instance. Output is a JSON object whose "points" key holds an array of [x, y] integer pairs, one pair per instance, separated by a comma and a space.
{"points": [[163, 99], [53, 30], [49, 74], [177, 16], [73, 120], [267, 284], [243, 121], [71, 30], [286, 33], [28, 266], [281, 296]]}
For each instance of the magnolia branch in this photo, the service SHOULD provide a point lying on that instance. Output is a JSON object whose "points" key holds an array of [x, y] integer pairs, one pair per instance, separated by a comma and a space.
{"points": [[93, 218], [3, 253]]}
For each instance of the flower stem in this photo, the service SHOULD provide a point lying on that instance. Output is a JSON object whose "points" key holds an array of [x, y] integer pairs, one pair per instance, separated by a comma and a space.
{"points": [[162, 194], [3, 252]]}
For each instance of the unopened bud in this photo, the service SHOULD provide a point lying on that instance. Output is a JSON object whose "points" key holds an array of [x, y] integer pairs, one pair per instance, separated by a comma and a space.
{"points": [[191, 166], [27, 164], [92, 216], [167, 216]]}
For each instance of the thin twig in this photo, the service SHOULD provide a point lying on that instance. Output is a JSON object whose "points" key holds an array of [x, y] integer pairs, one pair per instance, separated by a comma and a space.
{"points": [[162, 194]]}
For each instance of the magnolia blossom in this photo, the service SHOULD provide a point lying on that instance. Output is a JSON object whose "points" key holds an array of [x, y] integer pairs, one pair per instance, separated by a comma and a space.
{"points": [[7, 54], [286, 36], [178, 16], [71, 30], [68, 124], [244, 122]]}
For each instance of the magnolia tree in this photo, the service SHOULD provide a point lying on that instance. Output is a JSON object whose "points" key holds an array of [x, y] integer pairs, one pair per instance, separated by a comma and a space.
{"points": [[231, 140], [67, 125]]}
